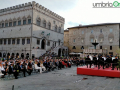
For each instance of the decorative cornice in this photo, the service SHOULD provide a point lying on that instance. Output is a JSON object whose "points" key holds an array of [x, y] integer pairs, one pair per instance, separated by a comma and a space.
{"points": [[34, 5]]}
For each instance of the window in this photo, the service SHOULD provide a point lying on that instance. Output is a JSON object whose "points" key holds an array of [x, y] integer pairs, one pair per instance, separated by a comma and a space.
{"points": [[18, 41], [9, 41], [59, 29], [54, 22], [111, 30], [13, 41], [29, 21], [91, 31], [56, 28], [6, 24], [2, 25], [110, 39], [0, 41], [91, 40], [19, 22], [23, 41], [48, 43], [73, 40], [24, 22], [28, 41], [101, 30], [49, 26], [82, 32], [4, 41], [110, 47], [10, 24], [38, 22], [100, 47], [59, 42], [44, 24], [14, 23], [38, 42]]}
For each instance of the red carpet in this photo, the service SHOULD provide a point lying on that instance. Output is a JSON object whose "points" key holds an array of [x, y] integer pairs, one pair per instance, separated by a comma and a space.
{"points": [[107, 72]]}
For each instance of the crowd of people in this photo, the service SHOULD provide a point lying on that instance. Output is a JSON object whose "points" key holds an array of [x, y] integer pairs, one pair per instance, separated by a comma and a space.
{"points": [[27, 66], [48, 63]]}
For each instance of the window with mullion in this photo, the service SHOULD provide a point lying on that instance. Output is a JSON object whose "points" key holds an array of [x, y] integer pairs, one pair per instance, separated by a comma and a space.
{"points": [[14, 23], [6, 24], [10, 24], [38, 22], [29, 21], [9, 41], [38, 42], [19, 22], [2, 25], [23, 41], [28, 41], [4, 41], [0, 41], [13, 41], [18, 41], [24, 22]]}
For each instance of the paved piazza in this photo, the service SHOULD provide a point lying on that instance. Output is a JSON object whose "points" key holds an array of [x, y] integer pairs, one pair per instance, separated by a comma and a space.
{"points": [[65, 79]]}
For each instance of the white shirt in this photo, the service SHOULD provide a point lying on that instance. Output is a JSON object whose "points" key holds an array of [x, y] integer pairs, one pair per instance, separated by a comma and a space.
{"points": [[2, 69]]}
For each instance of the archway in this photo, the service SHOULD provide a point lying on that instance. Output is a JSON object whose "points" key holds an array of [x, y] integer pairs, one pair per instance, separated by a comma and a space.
{"points": [[63, 52], [27, 55], [4, 55], [8, 55], [0, 54], [22, 55], [43, 44], [12, 56], [59, 52], [17, 55]]}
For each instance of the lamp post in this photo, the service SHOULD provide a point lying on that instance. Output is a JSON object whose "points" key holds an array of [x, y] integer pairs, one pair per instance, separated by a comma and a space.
{"points": [[31, 34]]}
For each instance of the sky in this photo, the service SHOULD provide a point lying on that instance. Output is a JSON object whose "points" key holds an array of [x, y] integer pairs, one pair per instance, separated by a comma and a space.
{"points": [[75, 12]]}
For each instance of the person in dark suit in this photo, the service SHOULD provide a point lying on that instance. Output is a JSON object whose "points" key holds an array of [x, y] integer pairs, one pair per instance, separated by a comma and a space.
{"points": [[114, 63], [95, 60], [45, 64], [101, 62], [29, 68], [23, 68], [59, 64], [88, 61], [10, 69], [15, 71]]}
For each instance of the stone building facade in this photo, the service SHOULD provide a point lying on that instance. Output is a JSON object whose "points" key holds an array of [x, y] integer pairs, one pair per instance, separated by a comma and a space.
{"points": [[29, 30], [82, 37]]}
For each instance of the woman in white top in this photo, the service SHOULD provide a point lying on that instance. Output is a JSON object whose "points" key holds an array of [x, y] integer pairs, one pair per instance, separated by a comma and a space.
{"points": [[41, 65], [2, 70], [36, 67]]}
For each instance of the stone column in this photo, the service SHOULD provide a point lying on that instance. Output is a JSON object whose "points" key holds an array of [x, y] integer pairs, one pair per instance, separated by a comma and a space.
{"points": [[21, 41], [46, 45], [11, 41], [40, 43], [15, 41]]}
